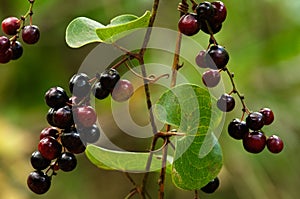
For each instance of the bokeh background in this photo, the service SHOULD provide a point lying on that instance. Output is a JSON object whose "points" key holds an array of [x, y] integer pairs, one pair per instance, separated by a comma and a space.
{"points": [[264, 44]]}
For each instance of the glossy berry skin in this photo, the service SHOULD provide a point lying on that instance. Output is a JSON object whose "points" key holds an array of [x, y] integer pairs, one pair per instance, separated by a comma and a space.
{"points": [[274, 144], [79, 85], [214, 27], [217, 56], [4, 44], [50, 115], [72, 141], [99, 92], [6, 56], [122, 91], [38, 162], [211, 78], [67, 161], [86, 116], [200, 59], [63, 117], [237, 129], [10, 25], [109, 78], [226, 103], [17, 50], [56, 97], [255, 121], [49, 131], [38, 182], [91, 134], [212, 186], [220, 12], [188, 24], [31, 34], [268, 115], [204, 10], [49, 147], [254, 142]]}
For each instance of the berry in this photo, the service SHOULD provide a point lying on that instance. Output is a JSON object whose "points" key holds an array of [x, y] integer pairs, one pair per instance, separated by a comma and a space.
{"points": [[49, 131], [17, 50], [214, 27], [220, 12], [122, 91], [212, 186], [63, 117], [31, 34], [50, 115], [226, 103], [56, 97], [49, 147], [99, 92], [274, 144], [254, 142], [255, 121], [11, 25], [79, 85], [204, 10], [38, 162], [72, 141], [38, 182], [4, 44], [85, 115], [109, 78], [211, 78], [200, 59], [6, 56], [268, 115], [67, 161], [188, 24], [237, 129], [217, 56], [91, 134]]}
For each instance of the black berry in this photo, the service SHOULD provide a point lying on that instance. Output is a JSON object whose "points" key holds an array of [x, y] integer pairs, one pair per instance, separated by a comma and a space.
{"points": [[17, 50], [99, 92], [211, 78], [255, 121], [38, 182], [72, 141], [217, 56], [109, 78], [56, 97], [10, 25], [30, 34], [122, 91], [254, 142], [237, 129], [91, 134], [63, 117], [67, 161], [212, 186], [188, 24], [274, 144], [50, 115], [49, 147], [226, 103], [38, 162], [79, 85], [204, 10]]}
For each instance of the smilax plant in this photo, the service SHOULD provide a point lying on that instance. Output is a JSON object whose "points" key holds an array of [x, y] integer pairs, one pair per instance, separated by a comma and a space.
{"points": [[190, 154]]}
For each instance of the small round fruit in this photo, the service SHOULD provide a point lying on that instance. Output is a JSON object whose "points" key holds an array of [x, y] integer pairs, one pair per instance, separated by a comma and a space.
{"points": [[200, 59], [11, 25], [49, 131], [67, 161], [38, 162], [188, 24], [4, 44], [31, 34], [217, 56], [72, 141], [254, 142], [56, 97], [220, 12], [49, 147], [204, 10], [6, 56], [63, 117], [211, 78], [50, 115], [226, 103], [274, 144], [79, 85], [213, 27], [109, 78], [85, 115], [237, 129], [268, 115], [17, 50], [212, 186], [255, 121], [91, 134], [38, 182], [99, 92], [122, 91]]}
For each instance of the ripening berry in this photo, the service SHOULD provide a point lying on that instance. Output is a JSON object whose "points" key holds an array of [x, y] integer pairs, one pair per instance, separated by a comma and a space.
{"points": [[274, 144], [268, 115], [188, 24], [38, 182], [254, 142], [122, 91], [211, 78], [31, 34], [255, 121], [11, 25]]}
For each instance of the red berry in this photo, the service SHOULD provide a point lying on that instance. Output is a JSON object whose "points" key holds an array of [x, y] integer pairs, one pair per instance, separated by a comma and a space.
{"points": [[274, 144], [220, 12], [11, 25], [211, 78], [188, 24], [6, 56], [122, 91], [268, 115], [254, 142], [255, 121], [4, 44], [85, 115], [49, 131], [30, 34], [49, 147]]}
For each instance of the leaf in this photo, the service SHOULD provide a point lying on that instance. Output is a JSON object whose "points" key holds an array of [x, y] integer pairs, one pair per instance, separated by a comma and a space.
{"points": [[121, 26], [82, 31], [197, 156], [123, 160]]}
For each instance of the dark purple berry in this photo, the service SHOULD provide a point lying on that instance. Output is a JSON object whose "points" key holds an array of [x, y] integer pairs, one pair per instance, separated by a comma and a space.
{"points": [[6, 56], [71, 140], [85, 115], [63, 117], [200, 59], [254, 142], [90, 134], [212, 186], [99, 92], [109, 78], [226, 103], [49, 147], [211, 78], [38, 162], [79, 85], [188, 24], [220, 12], [274, 144], [11, 25], [212, 28], [31, 34], [38, 182], [268, 115], [4, 44], [17, 50], [255, 121], [50, 115], [49, 131], [237, 129], [217, 56], [56, 97], [204, 10], [122, 91], [67, 161]]}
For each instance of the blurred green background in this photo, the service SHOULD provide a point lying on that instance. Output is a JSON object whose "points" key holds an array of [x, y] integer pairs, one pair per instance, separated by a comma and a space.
{"points": [[264, 45]]}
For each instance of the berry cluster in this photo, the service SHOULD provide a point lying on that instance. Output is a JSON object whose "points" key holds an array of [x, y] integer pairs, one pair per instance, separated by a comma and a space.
{"points": [[11, 48], [72, 123]]}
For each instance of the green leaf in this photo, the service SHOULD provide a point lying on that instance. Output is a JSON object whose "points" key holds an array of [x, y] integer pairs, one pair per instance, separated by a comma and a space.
{"points": [[123, 160], [121, 26], [197, 156], [82, 31]]}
